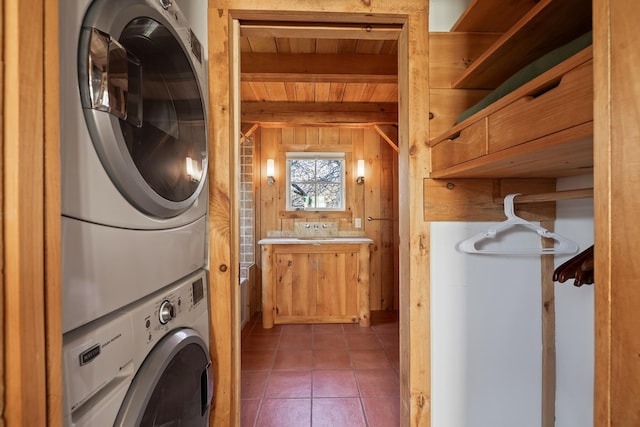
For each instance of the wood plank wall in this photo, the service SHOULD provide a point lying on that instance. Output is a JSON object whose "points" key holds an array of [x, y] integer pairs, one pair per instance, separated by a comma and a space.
{"points": [[376, 198], [23, 182], [617, 183]]}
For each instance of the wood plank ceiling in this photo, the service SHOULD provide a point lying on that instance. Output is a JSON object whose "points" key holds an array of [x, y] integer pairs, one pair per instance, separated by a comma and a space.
{"points": [[318, 74]]}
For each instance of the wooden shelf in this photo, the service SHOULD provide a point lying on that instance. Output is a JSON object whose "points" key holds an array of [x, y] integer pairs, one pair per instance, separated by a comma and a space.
{"points": [[548, 25], [565, 153], [526, 134], [492, 16]]}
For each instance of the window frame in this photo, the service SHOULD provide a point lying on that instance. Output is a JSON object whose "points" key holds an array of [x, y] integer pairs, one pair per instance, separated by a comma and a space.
{"points": [[315, 155]]}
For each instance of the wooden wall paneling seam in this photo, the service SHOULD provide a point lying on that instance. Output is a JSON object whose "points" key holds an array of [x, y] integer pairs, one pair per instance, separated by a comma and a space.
{"points": [[2, 248], [414, 161], [234, 221], [618, 182], [387, 240], [223, 266], [396, 235], [53, 255], [372, 207], [602, 51], [23, 215], [357, 193]]}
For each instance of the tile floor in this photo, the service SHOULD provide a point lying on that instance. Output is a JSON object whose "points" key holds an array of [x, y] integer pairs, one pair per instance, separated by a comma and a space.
{"points": [[321, 375]]}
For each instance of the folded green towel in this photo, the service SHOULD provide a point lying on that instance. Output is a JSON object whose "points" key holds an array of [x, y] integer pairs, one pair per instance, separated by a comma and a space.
{"points": [[530, 72]]}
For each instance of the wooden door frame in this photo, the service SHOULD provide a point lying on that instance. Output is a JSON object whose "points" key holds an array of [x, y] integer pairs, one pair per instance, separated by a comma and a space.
{"points": [[31, 340], [413, 164], [616, 186]]}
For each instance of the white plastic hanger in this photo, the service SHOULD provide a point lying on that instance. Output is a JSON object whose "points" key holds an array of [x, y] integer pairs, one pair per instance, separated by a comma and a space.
{"points": [[564, 245]]}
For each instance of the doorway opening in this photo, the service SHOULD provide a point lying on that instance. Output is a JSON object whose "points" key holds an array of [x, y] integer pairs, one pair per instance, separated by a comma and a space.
{"points": [[309, 87]]}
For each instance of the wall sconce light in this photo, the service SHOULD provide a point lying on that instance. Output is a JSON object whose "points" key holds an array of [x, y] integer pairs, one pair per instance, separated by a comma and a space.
{"points": [[360, 179], [270, 172]]}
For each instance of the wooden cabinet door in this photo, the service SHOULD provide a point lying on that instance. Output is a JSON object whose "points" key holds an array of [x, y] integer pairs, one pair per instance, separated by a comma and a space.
{"points": [[295, 284], [337, 278]]}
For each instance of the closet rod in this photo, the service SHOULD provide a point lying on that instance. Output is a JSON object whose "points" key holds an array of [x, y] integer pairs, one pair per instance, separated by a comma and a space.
{"points": [[583, 193]]}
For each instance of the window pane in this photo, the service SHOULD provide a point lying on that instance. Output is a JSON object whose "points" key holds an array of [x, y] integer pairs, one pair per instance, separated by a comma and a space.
{"points": [[303, 170], [329, 196], [329, 170], [301, 195]]}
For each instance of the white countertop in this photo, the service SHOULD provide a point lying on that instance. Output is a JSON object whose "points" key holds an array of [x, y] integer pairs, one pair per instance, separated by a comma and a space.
{"points": [[315, 241]]}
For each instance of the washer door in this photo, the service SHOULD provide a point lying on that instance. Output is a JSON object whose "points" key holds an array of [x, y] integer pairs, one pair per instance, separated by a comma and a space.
{"points": [[173, 387], [141, 83]]}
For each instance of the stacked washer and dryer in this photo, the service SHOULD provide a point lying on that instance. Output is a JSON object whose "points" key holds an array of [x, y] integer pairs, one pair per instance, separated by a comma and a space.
{"points": [[134, 204]]}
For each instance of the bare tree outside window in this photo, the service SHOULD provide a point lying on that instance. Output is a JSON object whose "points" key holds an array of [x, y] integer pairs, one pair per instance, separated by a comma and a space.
{"points": [[316, 182]]}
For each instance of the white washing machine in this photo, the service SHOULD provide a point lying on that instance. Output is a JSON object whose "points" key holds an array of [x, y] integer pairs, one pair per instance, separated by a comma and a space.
{"points": [[144, 365], [133, 152]]}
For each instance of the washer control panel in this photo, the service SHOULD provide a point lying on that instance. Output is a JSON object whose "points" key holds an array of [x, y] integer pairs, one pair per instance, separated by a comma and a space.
{"points": [[183, 304], [166, 312]]}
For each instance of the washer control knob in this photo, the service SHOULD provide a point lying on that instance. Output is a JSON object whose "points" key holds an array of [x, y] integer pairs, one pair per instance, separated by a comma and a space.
{"points": [[165, 4], [167, 312]]}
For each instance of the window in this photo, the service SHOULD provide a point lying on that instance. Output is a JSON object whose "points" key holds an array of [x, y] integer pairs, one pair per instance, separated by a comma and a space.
{"points": [[315, 181]]}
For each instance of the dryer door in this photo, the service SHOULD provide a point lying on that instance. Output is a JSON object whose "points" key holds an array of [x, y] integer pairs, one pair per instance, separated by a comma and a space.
{"points": [[173, 387], [142, 88]]}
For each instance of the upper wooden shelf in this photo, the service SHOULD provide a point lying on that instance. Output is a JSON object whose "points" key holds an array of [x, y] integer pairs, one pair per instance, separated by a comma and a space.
{"points": [[546, 26], [492, 16]]}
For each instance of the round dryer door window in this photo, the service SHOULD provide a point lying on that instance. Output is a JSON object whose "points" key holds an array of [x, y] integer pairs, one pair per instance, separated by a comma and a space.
{"points": [[173, 387], [142, 83]]}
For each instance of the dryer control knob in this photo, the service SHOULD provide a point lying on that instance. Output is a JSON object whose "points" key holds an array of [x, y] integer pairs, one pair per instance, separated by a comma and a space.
{"points": [[167, 312]]}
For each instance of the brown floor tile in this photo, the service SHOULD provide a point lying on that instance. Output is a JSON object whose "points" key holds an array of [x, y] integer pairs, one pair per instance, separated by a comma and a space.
{"points": [[295, 341], [382, 411], [248, 412], [288, 385], [354, 328], [284, 413], [394, 357], [260, 342], [370, 359], [337, 412], [378, 383], [259, 330], [334, 383], [331, 359], [252, 384], [331, 342], [361, 342], [260, 360], [296, 329], [389, 339], [292, 360], [386, 327], [335, 329]]}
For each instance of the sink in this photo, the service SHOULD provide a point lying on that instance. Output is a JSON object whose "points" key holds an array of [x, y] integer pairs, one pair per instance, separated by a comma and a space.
{"points": [[315, 238]]}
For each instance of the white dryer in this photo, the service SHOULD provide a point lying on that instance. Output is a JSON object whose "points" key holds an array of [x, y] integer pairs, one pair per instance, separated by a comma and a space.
{"points": [[144, 365], [133, 152]]}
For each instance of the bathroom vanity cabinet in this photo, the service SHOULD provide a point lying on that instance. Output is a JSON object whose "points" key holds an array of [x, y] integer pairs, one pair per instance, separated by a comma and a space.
{"points": [[315, 281]]}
